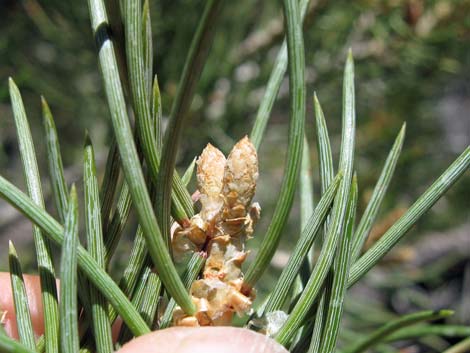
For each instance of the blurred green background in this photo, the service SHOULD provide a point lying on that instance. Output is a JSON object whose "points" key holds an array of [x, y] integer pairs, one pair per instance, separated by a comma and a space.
{"points": [[412, 63]]}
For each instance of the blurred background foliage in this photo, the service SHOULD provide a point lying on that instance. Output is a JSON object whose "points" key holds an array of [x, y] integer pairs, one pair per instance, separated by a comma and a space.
{"points": [[412, 62]]}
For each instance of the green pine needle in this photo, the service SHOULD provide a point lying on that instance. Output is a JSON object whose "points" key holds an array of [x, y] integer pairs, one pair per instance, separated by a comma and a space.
{"points": [[319, 273], [284, 203], [110, 183], [393, 326], [9, 345], [42, 244], [368, 218], [95, 245], [20, 300], [429, 330], [281, 289], [313, 285], [421, 206], [193, 67], [273, 86], [54, 158], [340, 277], [69, 340], [87, 264], [461, 347], [130, 160]]}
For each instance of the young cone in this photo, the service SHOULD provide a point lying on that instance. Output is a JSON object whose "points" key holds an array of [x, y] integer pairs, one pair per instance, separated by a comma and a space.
{"points": [[221, 228]]}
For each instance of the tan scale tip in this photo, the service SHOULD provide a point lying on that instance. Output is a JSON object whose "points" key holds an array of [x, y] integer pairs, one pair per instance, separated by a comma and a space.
{"points": [[210, 171]]}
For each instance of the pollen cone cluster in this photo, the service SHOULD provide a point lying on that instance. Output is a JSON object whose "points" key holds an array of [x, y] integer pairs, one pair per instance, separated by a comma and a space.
{"points": [[226, 220]]}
